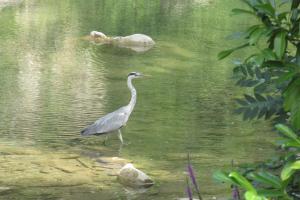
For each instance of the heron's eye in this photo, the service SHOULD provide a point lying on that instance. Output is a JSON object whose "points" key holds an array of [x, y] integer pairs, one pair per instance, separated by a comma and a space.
{"points": [[132, 74]]}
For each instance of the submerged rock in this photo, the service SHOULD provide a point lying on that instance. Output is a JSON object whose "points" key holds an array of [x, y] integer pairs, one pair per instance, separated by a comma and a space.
{"points": [[130, 176], [136, 42]]}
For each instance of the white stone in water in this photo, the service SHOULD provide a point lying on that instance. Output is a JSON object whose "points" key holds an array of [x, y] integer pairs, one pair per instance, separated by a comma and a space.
{"points": [[130, 176], [98, 34], [134, 40]]}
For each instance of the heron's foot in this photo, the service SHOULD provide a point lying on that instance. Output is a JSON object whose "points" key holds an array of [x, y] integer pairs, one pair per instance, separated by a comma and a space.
{"points": [[120, 136], [126, 143], [105, 141]]}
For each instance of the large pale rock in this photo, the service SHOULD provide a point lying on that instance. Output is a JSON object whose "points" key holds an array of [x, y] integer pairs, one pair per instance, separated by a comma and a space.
{"points": [[136, 42], [130, 176]]}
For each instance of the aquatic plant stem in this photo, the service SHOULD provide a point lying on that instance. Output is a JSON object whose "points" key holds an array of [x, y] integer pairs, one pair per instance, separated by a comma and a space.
{"points": [[235, 193], [193, 177], [188, 189]]}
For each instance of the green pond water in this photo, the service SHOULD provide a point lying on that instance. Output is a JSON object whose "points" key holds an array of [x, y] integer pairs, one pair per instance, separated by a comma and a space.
{"points": [[54, 82]]}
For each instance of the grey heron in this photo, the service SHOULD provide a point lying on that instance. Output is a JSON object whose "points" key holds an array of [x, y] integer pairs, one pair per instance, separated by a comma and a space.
{"points": [[114, 121]]}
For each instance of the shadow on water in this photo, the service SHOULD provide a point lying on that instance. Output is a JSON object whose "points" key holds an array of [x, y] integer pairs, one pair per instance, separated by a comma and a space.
{"points": [[53, 83]]}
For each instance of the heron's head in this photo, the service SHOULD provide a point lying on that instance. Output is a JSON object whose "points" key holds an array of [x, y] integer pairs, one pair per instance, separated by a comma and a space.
{"points": [[135, 75]]}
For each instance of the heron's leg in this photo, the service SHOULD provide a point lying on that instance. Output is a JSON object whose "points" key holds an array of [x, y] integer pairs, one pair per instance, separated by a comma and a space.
{"points": [[105, 140], [120, 149], [120, 136]]}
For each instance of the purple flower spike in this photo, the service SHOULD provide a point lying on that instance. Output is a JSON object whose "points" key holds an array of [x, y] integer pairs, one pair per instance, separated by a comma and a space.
{"points": [[235, 193], [189, 192], [193, 177]]}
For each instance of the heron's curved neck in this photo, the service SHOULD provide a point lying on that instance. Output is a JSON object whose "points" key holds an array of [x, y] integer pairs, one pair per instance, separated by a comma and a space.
{"points": [[133, 94]]}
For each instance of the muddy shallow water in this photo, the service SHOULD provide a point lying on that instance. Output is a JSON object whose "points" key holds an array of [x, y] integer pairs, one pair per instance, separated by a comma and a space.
{"points": [[53, 83]]}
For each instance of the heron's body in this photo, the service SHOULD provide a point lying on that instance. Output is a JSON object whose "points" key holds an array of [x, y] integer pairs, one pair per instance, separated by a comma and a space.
{"points": [[115, 120]]}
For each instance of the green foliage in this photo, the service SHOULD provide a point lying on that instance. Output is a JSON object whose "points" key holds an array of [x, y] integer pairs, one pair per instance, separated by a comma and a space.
{"points": [[275, 69], [267, 178], [280, 185], [242, 182], [280, 44], [292, 101], [239, 180], [287, 132], [226, 53], [258, 106], [273, 72]]}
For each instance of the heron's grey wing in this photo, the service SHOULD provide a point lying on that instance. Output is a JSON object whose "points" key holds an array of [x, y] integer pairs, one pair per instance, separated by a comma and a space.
{"points": [[110, 122]]}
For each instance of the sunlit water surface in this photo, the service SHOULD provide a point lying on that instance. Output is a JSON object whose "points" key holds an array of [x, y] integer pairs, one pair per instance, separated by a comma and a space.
{"points": [[53, 83]]}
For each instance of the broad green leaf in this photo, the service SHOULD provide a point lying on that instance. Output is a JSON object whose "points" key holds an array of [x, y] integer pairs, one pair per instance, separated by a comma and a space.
{"points": [[287, 132], [290, 97], [296, 165], [295, 116], [270, 192], [292, 102], [267, 178], [249, 98], [282, 15], [268, 54], [250, 58], [292, 66], [284, 2], [237, 11], [273, 63], [251, 29], [258, 59], [253, 196], [298, 53], [291, 143], [280, 44], [255, 35], [242, 181], [224, 54], [260, 97], [287, 171], [285, 77], [295, 4], [294, 15], [223, 177], [266, 8]]}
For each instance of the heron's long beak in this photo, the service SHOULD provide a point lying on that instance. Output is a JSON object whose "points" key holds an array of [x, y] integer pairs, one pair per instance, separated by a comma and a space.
{"points": [[146, 75]]}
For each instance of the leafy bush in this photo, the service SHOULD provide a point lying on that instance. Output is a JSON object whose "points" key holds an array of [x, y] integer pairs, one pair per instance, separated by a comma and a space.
{"points": [[267, 185], [273, 72]]}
